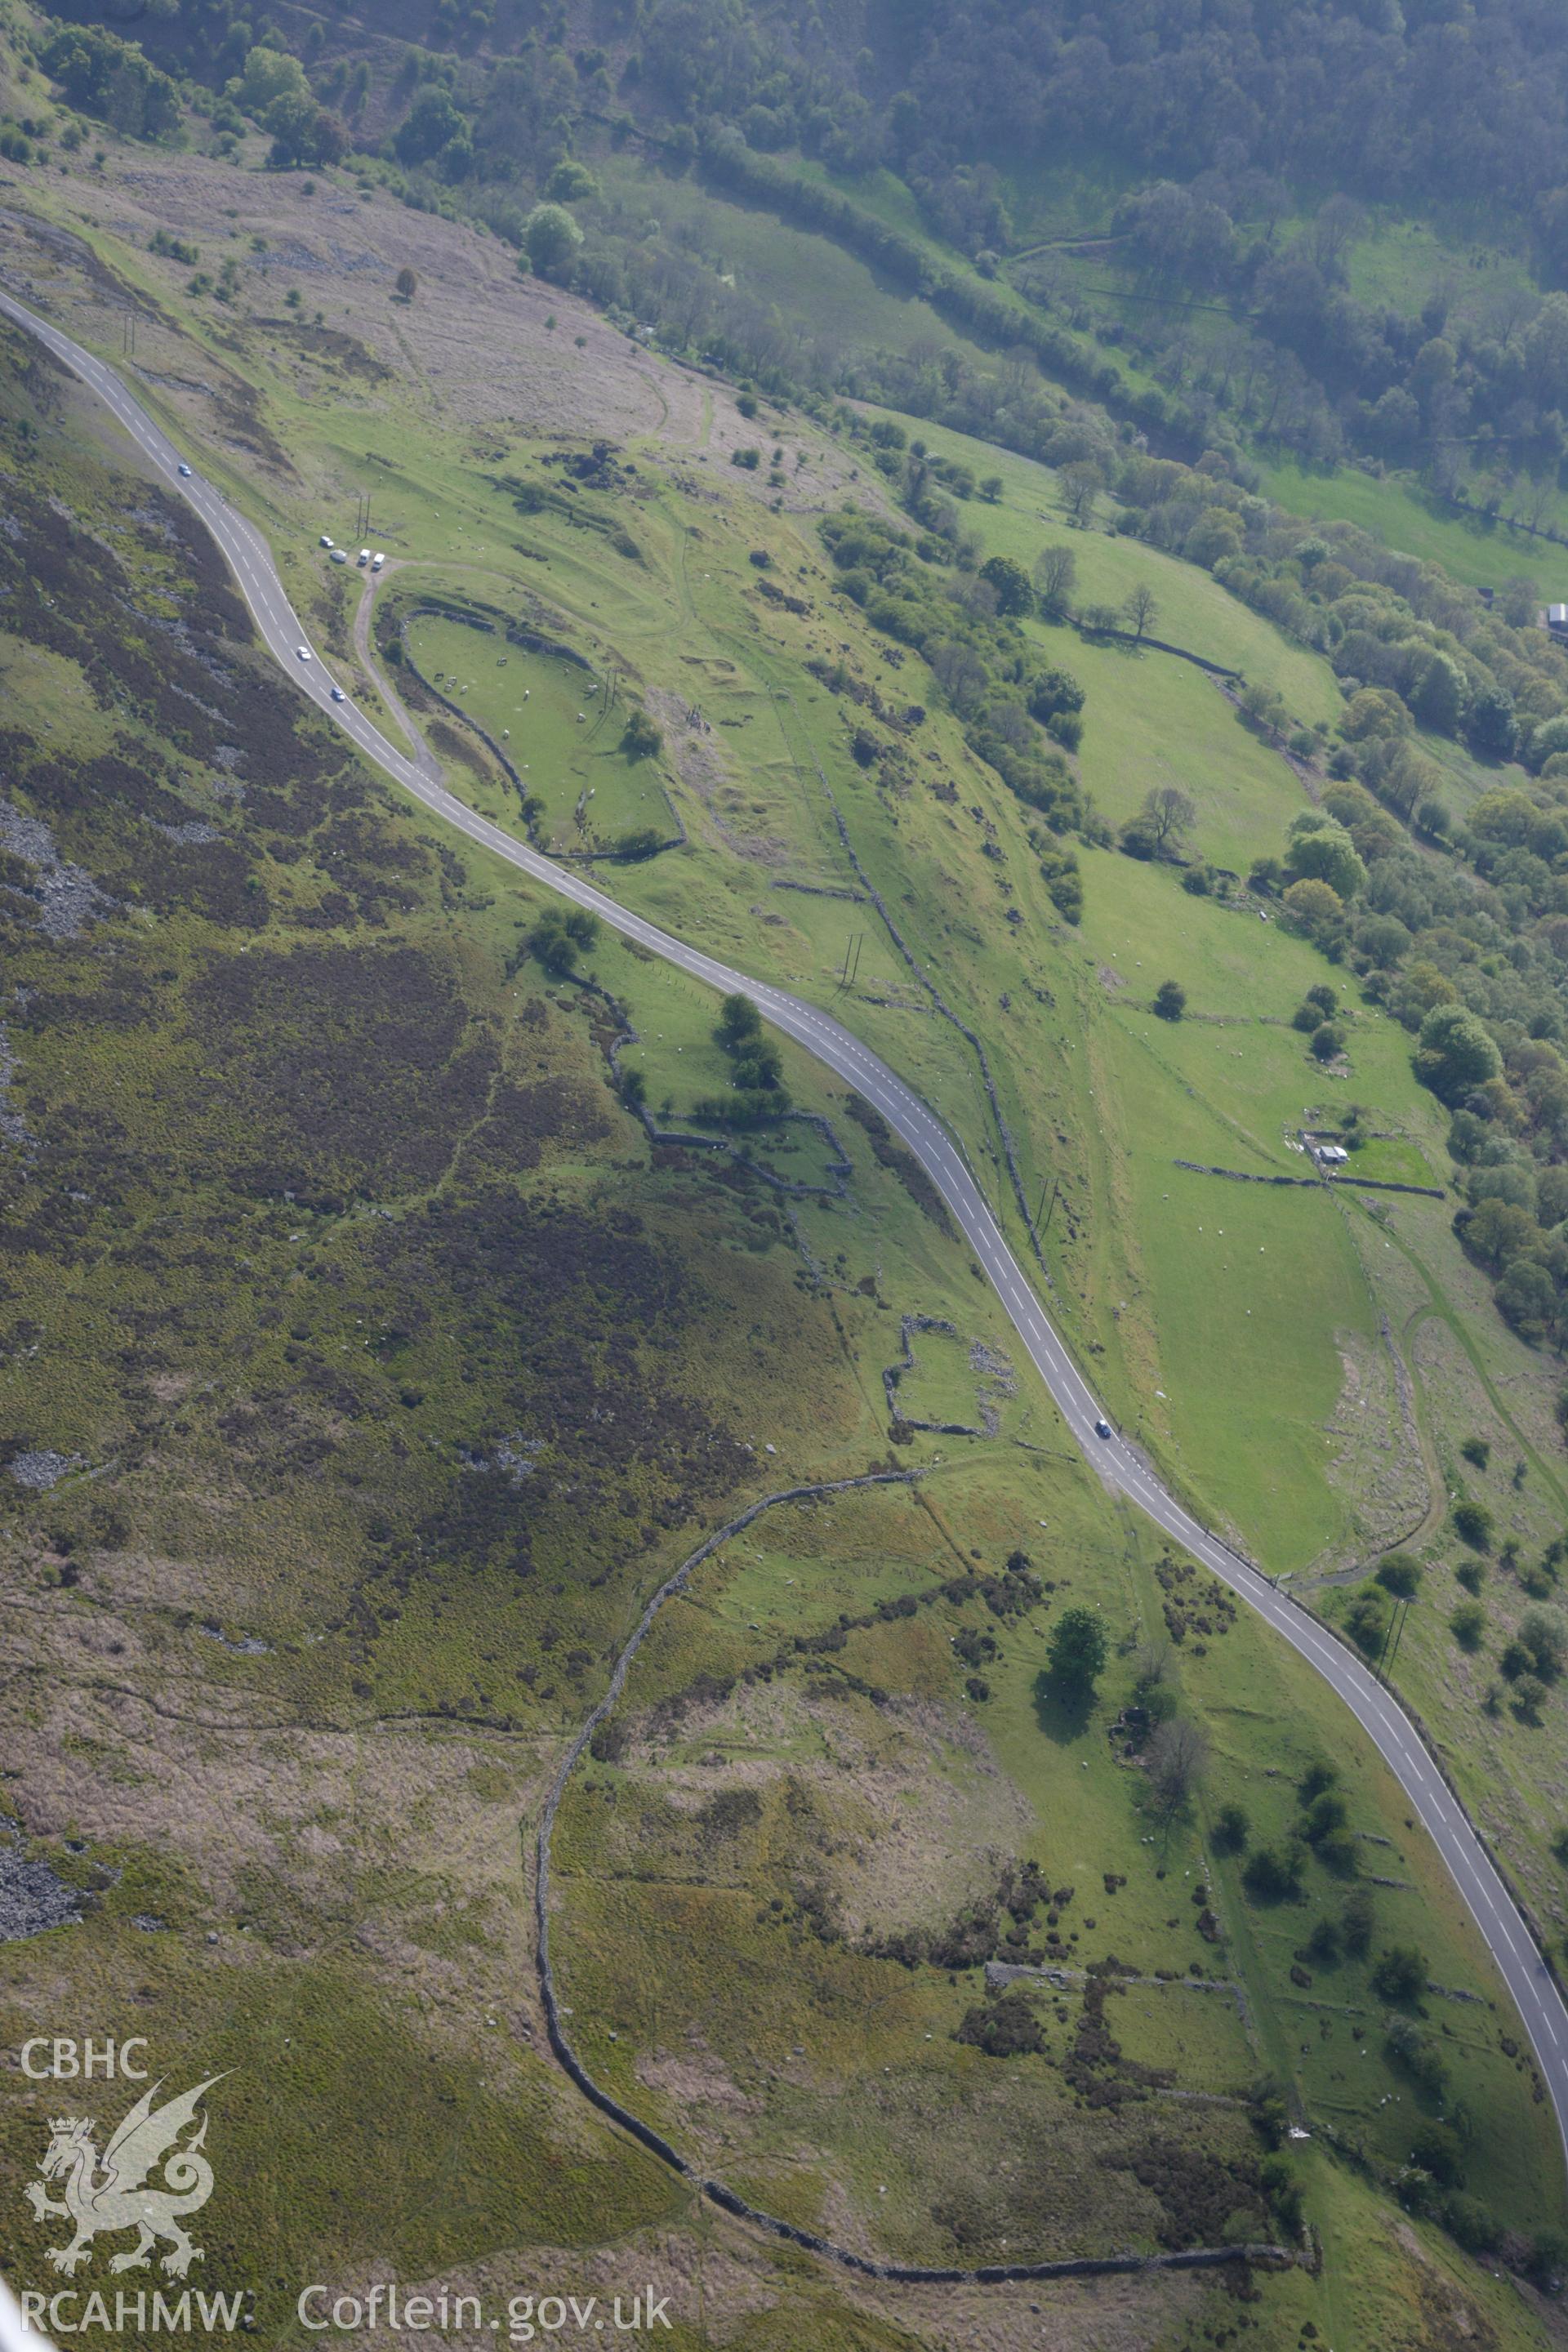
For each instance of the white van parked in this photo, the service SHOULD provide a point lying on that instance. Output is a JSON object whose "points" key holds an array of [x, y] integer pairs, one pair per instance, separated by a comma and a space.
{"points": [[363, 555], [376, 561]]}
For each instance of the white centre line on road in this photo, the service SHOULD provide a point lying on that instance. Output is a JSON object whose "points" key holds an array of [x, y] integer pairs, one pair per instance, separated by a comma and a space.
{"points": [[1534, 1988]]}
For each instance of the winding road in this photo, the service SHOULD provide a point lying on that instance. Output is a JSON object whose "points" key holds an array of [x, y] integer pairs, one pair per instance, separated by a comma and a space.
{"points": [[1121, 1467]]}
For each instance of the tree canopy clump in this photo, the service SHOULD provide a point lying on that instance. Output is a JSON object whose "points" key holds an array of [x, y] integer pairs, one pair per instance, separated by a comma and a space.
{"points": [[551, 237], [642, 738], [560, 936], [756, 1070], [1078, 1649], [114, 81]]}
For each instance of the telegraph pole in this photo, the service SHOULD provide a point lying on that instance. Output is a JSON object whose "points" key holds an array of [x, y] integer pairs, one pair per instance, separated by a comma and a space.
{"points": [[1388, 1632], [1392, 1639], [1399, 1636]]}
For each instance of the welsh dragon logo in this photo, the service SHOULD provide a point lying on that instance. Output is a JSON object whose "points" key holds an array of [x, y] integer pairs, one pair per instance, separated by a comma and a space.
{"points": [[112, 2192]]}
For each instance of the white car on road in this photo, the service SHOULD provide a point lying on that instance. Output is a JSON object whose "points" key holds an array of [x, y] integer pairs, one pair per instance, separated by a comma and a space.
{"points": [[338, 694], [304, 652], [185, 471]]}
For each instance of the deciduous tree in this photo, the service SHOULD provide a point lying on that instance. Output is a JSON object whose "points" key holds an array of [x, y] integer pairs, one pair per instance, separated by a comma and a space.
{"points": [[1453, 1054], [1055, 574], [551, 237], [1080, 484], [1078, 1649], [1142, 610], [1176, 1760], [1006, 575]]}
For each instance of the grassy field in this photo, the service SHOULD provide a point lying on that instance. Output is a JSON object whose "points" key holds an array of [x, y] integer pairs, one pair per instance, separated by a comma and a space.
{"points": [[560, 724], [854, 1819], [795, 274], [1395, 511], [1401, 262], [1064, 195]]}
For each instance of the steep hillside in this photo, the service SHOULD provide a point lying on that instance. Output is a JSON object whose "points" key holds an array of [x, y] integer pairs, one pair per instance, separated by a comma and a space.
{"points": [[366, 1368], [400, 1288], [1285, 1384], [1332, 236]]}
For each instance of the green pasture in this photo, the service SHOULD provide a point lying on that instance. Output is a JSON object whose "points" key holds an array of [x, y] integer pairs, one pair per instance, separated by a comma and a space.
{"points": [[798, 275], [1240, 1323], [946, 1383], [1399, 262], [560, 724], [1195, 610], [1068, 193], [1247, 1294], [1236, 1050], [1174, 727], [1392, 1160], [1396, 511]]}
